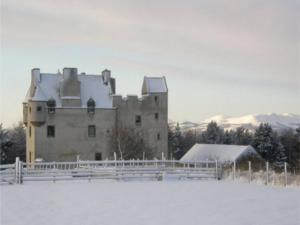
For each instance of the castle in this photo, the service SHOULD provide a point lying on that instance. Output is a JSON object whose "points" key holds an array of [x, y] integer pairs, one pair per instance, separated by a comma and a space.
{"points": [[69, 114]]}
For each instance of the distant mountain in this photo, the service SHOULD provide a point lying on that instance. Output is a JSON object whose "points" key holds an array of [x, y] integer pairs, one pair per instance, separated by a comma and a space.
{"points": [[277, 121]]}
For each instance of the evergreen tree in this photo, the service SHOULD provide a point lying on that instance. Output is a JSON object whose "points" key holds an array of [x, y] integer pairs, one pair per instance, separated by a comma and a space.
{"points": [[229, 137], [5, 144], [171, 142], [242, 136], [268, 144], [18, 139], [188, 140], [279, 156], [292, 147], [178, 148], [213, 134], [295, 158], [262, 141]]}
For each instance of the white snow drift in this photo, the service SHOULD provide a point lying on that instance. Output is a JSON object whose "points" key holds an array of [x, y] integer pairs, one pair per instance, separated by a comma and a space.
{"points": [[148, 203]]}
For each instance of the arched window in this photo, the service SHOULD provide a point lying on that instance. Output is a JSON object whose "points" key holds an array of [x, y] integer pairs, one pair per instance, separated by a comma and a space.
{"points": [[91, 106], [51, 105]]}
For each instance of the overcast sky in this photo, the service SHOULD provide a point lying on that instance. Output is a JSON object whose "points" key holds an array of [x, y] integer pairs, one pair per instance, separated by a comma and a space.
{"points": [[219, 57]]}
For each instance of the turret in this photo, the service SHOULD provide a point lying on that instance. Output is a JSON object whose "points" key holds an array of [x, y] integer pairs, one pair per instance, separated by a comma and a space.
{"points": [[36, 110]]}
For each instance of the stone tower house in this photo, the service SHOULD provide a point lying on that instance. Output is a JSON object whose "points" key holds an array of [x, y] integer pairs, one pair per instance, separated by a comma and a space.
{"points": [[72, 114]]}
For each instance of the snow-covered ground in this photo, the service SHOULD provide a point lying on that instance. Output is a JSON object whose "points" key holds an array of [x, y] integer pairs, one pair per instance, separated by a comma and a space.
{"points": [[149, 202]]}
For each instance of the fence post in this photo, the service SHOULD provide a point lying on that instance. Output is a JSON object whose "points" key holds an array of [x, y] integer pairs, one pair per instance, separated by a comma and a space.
{"points": [[234, 169], [17, 164], [249, 164], [20, 172], [217, 170], [285, 173], [115, 158], [267, 168]]}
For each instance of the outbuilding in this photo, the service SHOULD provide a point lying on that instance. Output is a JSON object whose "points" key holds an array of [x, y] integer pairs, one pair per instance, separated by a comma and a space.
{"points": [[224, 154]]}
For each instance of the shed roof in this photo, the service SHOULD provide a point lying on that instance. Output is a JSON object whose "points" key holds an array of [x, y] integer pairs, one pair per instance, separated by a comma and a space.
{"points": [[222, 153]]}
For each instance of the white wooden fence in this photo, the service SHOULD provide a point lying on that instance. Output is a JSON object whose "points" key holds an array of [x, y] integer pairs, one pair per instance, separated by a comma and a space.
{"points": [[20, 172], [265, 174]]}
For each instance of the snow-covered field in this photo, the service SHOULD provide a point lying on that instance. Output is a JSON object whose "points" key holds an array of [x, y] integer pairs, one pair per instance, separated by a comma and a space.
{"points": [[149, 202]]}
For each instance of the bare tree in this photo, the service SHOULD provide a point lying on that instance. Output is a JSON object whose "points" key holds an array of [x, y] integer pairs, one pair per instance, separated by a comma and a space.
{"points": [[128, 144]]}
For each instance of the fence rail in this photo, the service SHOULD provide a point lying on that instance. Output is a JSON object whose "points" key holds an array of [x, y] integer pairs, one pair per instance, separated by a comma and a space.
{"points": [[264, 173], [20, 172]]}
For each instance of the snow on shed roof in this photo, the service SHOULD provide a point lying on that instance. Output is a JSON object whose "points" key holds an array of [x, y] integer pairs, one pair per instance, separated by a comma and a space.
{"points": [[222, 153], [91, 86], [154, 85]]}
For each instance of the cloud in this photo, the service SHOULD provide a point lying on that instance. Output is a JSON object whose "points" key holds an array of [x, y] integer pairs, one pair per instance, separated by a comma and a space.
{"points": [[249, 40]]}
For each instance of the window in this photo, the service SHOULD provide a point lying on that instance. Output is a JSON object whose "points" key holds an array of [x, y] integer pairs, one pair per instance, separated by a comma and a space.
{"points": [[92, 131], [158, 136], [98, 156], [39, 108], [51, 105], [156, 116], [91, 106], [30, 157], [50, 131], [29, 109], [156, 99], [138, 120], [29, 131]]}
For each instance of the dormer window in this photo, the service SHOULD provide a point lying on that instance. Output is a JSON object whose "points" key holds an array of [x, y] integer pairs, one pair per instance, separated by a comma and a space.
{"points": [[51, 105], [91, 106]]}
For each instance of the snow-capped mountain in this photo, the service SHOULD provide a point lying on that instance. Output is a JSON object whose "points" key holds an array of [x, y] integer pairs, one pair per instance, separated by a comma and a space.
{"points": [[277, 121]]}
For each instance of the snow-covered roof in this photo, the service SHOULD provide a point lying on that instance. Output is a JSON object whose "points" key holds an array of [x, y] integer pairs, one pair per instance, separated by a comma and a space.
{"points": [[222, 153], [47, 86], [154, 85]]}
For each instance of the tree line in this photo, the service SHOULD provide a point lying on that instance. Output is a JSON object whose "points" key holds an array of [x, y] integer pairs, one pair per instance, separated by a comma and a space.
{"points": [[275, 147]]}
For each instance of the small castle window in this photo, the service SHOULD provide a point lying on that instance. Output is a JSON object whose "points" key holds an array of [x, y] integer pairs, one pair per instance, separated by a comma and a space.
{"points": [[92, 131], [138, 120], [91, 106], [51, 105], [156, 116], [158, 136], [98, 156], [39, 108], [50, 131], [29, 131], [156, 99]]}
